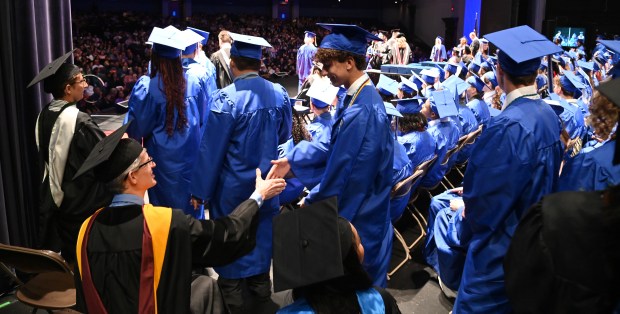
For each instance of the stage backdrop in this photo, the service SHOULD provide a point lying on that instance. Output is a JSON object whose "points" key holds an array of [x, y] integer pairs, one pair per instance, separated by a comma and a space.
{"points": [[32, 33]]}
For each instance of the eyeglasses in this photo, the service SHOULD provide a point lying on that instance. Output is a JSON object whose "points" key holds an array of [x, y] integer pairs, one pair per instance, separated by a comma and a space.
{"points": [[144, 164], [82, 81]]}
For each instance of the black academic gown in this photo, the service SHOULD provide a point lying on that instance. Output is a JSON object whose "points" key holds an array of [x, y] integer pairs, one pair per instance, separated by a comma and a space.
{"points": [[59, 225], [224, 76], [115, 250], [560, 259]]}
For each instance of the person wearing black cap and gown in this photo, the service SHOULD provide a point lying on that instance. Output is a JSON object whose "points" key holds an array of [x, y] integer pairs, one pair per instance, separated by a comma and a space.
{"points": [[64, 137], [358, 165], [325, 272], [305, 56], [248, 120], [221, 60], [138, 258], [570, 241], [515, 163]]}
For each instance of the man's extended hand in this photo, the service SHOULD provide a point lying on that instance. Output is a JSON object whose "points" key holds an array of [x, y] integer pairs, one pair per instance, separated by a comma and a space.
{"points": [[270, 187], [280, 168]]}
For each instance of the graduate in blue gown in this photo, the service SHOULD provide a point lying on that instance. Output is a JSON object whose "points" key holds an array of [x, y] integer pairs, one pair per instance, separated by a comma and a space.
{"points": [[419, 144], [438, 109], [514, 164], [592, 169], [305, 56], [465, 119], [196, 64], [402, 169], [168, 109], [478, 107], [299, 133], [247, 122], [359, 162]]}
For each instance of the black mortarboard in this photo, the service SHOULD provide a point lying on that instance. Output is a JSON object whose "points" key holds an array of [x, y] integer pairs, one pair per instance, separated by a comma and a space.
{"points": [[611, 90], [111, 156], [57, 72], [309, 245]]}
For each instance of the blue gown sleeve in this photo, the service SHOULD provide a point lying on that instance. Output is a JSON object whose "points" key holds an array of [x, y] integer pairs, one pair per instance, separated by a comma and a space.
{"points": [[308, 160], [143, 114], [286, 126], [497, 172], [344, 152], [213, 148]]}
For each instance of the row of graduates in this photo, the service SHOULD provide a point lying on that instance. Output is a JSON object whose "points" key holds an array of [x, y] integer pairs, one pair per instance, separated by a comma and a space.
{"points": [[467, 250]]}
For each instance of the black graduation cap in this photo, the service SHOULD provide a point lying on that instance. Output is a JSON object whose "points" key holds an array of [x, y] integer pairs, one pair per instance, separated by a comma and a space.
{"points": [[111, 156], [50, 69], [611, 90], [309, 246]]}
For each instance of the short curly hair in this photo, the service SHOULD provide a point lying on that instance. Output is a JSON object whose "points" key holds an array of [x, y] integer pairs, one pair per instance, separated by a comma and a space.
{"points": [[327, 56], [412, 122], [603, 115]]}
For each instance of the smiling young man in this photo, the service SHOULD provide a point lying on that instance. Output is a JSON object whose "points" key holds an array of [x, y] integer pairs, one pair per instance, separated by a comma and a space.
{"points": [[358, 165]]}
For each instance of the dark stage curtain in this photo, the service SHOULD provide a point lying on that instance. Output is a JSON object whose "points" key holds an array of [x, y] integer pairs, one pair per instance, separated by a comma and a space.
{"points": [[32, 34]]}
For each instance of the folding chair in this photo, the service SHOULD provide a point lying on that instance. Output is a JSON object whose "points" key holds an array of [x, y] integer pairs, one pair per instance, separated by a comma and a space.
{"points": [[413, 210], [471, 138], [451, 152], [51, 288], [401, 189]]}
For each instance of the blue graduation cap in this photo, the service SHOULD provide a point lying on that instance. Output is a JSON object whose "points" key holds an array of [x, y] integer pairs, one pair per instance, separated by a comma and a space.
{"points": [[442, 74], [417, 80], [247, 46], [485, 65], [429, 75], [520, 49], [570, 82], [474, 66], [391, 110], [442, 103], [409, 105], [476, 82], [322, 93], [202, 33], [571, 54], [193, 38], [463, 67], [168, 42], [407, 86], [494, 112], [456, 85], [387, 86], [589, 66], [345, 37], [543, 65], [483, 41], [451, 67], [309, 34], [490, 76]]}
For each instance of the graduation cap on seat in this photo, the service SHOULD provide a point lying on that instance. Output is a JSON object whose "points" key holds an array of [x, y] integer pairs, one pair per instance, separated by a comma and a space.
{"points": [[322, 93], [442, 103], [247, 46], [520, 49], [309, 245], [391, 110], [387, 86], [611, 90], [345, 37], [111, 157], [409, 105], [55, 73]]}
